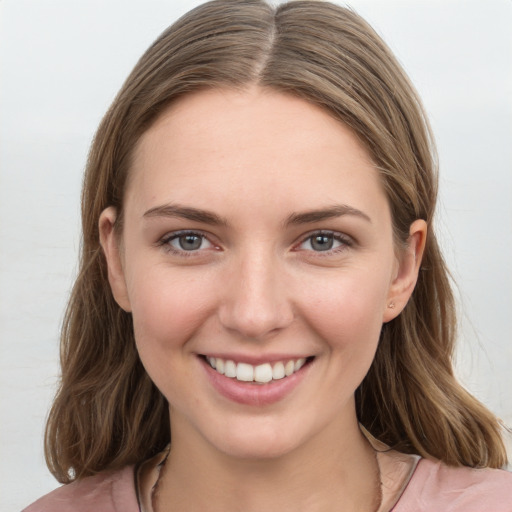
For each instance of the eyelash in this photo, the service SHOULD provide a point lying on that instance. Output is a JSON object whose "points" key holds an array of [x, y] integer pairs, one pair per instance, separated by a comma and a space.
{"points": [[343, 239]]}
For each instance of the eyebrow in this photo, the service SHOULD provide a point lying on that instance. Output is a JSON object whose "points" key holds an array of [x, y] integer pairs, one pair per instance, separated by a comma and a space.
{"points": [[324, 214], [184, 212], [206, 217]]}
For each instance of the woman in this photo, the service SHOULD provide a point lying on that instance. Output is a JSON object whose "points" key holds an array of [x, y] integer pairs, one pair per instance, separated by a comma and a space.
{"points": [[261, 285]]}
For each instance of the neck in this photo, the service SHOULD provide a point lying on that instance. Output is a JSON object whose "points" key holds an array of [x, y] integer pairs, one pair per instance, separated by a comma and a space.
{"points": [[329, 472]]}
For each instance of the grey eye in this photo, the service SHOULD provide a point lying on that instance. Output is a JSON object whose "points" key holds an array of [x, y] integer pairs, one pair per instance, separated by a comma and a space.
{"points": [[325, 242], [322, 242], [189, 242]]}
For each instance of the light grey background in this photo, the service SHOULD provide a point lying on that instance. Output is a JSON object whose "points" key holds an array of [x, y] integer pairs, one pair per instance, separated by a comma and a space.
{"points": [[62, 61]]}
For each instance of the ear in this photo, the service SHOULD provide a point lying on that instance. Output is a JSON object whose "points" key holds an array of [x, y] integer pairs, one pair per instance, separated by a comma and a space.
{"points": [[408, 266], [110, 243]]}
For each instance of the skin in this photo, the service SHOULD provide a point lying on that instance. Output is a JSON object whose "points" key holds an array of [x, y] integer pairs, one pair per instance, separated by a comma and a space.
{"points": [[258, 288]]}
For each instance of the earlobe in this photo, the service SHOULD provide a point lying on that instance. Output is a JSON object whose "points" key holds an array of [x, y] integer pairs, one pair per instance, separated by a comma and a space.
{"points": [[409, 264], [110, 244]]}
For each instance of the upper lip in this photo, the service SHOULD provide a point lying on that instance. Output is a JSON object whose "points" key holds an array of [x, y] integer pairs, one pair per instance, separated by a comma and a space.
{"points": [[256, 359]]}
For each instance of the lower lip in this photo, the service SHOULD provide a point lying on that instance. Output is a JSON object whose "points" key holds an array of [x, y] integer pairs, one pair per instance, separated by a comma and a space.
{"points": [[252, 393]]}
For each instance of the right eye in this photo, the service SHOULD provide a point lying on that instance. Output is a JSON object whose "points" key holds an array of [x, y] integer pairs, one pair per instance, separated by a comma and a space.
{"points": [[183, 242]]}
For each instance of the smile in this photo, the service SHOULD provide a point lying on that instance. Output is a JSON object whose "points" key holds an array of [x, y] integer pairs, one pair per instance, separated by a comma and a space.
{"points": [[261, 374]]}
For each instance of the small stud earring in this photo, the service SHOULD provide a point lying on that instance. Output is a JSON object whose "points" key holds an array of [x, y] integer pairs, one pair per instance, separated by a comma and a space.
{"points": [[391, 305]]}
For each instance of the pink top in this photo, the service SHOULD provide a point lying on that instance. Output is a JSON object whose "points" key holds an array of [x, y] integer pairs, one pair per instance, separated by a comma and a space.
{"points": [[409, 484], [435, 487]]}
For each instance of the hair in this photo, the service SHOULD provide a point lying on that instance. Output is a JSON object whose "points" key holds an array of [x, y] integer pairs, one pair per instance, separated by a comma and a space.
{"points": [[107, 412]]}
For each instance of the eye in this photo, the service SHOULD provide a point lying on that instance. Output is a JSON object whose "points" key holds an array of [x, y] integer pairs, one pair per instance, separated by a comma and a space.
{"points": [[186, 241], [325, 241]]}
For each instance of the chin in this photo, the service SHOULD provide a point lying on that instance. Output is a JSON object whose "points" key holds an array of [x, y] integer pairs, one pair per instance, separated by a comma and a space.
{"points": [[257, 447], [258, 439]]}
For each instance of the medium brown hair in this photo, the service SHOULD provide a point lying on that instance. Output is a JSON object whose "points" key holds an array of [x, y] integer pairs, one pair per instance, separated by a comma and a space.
{"points": [[107, 412]]}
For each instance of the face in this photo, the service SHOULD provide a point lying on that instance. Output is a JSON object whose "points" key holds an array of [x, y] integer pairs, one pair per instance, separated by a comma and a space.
{"points": [[257, 260]]}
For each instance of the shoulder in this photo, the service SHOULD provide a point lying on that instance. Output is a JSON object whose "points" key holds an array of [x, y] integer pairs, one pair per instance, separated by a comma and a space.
{"points": [[108, 491], [435, 486]]}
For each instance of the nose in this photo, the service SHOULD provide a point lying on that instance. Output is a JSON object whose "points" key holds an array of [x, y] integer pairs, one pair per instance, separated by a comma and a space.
{"points": [[255, 304]]}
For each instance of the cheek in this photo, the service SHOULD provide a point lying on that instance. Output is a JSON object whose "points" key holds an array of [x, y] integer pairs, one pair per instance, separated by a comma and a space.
{"points": [[346, 315], [347, 309], [167, 315], [166, 310]]}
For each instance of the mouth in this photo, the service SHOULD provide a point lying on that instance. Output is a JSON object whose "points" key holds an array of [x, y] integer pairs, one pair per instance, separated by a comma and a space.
{"points": [[264, 373]]}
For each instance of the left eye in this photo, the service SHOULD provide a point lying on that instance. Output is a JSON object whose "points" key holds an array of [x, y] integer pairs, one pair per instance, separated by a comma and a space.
{"points": [[321, 242], [189, 242]]}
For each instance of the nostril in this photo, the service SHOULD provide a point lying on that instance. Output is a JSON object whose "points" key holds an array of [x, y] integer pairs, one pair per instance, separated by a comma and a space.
{"points": [[255, 322]]}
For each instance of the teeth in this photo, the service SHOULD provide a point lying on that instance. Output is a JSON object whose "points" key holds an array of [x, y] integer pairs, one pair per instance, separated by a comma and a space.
{"points": [[299, 363], [289, 368], [262, 373], [278, 371], [229, 369], [244, 372]]}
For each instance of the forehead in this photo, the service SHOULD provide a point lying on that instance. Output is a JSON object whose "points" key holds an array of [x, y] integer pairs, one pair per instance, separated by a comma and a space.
{"points": [[258, 144]]}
